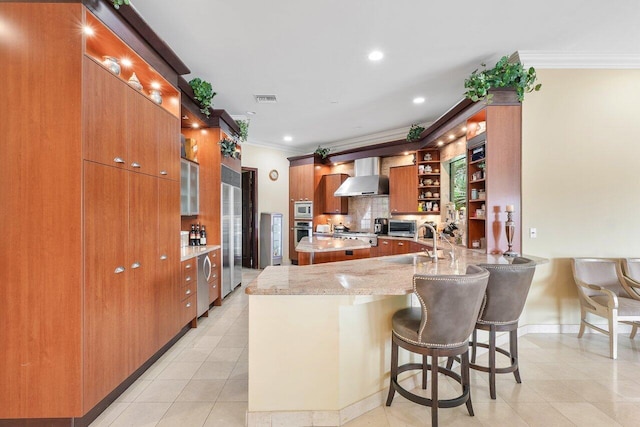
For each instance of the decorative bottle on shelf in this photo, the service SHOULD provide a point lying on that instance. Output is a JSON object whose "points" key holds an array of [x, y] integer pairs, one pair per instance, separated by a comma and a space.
{"points": [[203, 237], [192, 235], [197, 240]]}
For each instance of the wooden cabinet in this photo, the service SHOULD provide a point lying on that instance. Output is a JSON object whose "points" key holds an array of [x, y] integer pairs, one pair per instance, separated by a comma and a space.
{"points": [[168, 146], [393, 247], [84, 317], [188, 291], [215, 295], [403, 189], [332, 204], [189, 188], [494, 173], [301, 183], [429, 181]]}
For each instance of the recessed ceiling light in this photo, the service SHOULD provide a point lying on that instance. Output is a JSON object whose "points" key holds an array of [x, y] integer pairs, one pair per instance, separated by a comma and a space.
{"points": [[288, 138], [126, 62], [251, 113], [464, 128], [88, 30], [376, 55], [195, 125], [418, 100], [451, 136], [440, 143]]}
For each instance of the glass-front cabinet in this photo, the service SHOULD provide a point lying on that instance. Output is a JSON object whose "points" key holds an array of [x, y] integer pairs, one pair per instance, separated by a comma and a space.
{"points": [[189, 188]]}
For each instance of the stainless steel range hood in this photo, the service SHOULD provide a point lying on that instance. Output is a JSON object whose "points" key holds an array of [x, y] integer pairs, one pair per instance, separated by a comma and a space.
{"points": [[367, 180]]}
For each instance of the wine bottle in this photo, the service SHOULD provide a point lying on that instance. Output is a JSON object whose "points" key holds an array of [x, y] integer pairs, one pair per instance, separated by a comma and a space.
{"points": [[197, 241], [192, 235], [203, 236]]}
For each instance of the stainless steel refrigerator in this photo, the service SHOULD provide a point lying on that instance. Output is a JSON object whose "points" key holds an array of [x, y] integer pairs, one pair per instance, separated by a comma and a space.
{"points": [[270, 239], [231, 223]]}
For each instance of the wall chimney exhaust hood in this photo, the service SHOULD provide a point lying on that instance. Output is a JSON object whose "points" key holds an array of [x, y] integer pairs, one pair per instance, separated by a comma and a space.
{"points": [[367, 180]]}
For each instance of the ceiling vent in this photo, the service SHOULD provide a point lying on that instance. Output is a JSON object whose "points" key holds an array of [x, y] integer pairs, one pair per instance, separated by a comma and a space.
{"points": [[265, 99]]}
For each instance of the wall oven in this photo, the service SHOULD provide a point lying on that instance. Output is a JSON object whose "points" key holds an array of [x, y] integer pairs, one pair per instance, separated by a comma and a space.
{"points": [[303, 210], [302, 229]]}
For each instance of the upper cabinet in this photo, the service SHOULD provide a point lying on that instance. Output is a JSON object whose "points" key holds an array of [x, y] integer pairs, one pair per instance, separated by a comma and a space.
{"points": [[403, 189], [189, 188], [332, 204], [301, 183]]}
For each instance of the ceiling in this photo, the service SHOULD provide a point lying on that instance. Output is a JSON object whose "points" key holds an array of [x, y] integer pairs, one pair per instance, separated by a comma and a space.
{"points": [[314, 56]]}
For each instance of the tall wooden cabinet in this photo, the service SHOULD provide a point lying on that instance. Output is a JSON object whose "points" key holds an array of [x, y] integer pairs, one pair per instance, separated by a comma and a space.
{"points": [[403, 189], [90, 271], [332, 205]]}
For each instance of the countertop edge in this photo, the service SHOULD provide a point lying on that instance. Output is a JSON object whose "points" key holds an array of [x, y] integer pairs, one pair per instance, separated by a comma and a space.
{"points": [[188, 252]]}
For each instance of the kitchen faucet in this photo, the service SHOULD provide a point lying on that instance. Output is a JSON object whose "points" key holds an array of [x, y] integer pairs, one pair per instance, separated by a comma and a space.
{"points": [[453, 250], [434, 235]]}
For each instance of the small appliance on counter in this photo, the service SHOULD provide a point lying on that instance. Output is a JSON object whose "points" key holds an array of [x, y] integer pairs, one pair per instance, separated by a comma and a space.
{"points": [[381, 226], [402, 227], [323, 228], [428, 234], [340, 228]]}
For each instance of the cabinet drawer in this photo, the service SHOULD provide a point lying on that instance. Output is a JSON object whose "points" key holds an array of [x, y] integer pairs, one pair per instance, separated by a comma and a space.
{"points": [[188, 291], [214, 290], [189, 272], [188, 310]]}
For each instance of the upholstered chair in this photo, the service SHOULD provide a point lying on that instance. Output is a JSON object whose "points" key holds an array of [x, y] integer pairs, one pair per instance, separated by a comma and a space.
{"points": [[501, 309], [440, 327], [629, 274], [602, 293]]}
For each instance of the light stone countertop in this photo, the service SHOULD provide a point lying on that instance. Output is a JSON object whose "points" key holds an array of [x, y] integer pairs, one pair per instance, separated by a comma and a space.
{"points": [[329, 244], [189, 252], [390, 275]]}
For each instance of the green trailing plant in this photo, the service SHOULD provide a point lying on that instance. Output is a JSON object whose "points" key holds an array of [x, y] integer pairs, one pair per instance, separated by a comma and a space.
{"points": [[229, 148], [244, 129], [414, 132], [504, 74], [203, 92], [322, 152], [118, 3]]}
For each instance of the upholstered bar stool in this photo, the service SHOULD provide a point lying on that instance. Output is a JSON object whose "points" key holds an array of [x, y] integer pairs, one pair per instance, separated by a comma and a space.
{"points": [[440, 327], [501, 309]]}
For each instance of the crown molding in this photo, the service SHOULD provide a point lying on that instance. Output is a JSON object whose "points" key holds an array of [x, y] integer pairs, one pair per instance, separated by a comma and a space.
{"points": [[285, 149], [569, 60]]}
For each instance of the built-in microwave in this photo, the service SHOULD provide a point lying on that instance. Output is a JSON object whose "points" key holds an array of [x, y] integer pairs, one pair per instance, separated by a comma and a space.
{"points": [[402, 227], [303, 210]]}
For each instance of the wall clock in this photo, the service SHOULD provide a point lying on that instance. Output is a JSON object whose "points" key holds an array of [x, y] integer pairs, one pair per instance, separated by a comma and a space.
{"points": [[273, 175]]}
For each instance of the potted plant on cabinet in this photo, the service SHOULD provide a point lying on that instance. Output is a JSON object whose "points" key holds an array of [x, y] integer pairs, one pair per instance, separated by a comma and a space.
{"points": [[505, 74], [229, 148], [244, 129], [322, 152], [118, 3], [414, 132], [203, 93]]}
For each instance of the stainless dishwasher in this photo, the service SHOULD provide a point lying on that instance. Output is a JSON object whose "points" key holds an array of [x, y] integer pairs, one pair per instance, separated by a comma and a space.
{"points": [[204, 274]]}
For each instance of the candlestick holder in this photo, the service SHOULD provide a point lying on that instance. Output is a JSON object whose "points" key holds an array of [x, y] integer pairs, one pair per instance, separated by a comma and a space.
{"points": [[510, 228]]}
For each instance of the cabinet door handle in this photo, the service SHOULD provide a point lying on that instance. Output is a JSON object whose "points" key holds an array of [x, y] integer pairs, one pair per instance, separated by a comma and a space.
{"points": [[135, 265], [163, 172], [215, 254], [214, 286], [135, 165], [188, 304], [118, 160], [385, 243], [215, 275], [118, 270], [400, 244], [214, 265], [163, 257], [188, 266], [188, 292], [187, 279]]}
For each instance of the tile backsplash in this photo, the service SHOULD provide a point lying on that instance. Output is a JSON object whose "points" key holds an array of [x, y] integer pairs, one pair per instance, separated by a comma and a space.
{"points": [[363, 210]]}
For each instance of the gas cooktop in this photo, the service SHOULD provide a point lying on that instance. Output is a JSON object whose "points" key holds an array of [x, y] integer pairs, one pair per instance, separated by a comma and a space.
{"points": [[365, 236]]}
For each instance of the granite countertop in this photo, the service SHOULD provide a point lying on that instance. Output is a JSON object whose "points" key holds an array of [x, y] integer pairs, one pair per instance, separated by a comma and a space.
{"points": [[329, 244], [390, 275], [189, 252]]}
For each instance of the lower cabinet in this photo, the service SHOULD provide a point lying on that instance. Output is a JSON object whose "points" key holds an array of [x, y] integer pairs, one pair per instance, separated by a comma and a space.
{"points": [[215, 294], [307, 258], [388, 246], [188, 291]]}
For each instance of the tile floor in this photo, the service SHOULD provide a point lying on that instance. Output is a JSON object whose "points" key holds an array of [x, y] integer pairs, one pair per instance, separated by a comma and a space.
{"points": [[202, 381]]}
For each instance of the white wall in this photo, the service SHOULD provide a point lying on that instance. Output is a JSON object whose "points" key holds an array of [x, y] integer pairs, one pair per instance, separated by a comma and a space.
{"points": [[273, 196], [580, 180]]}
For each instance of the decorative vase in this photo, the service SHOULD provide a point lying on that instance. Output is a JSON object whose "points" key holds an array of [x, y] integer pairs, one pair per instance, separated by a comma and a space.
{"points": [[134, 82], [112, 64], [156, 96]]}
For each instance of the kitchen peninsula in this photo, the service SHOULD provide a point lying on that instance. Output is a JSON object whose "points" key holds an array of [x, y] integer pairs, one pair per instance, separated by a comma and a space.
{"points": [[319, 335], [321, 249]]}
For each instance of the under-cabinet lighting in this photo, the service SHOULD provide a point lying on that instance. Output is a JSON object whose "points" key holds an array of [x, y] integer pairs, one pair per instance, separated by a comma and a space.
{"points": [[451, 136], [376, 55], [88, 30], [288, 138], [195, 125], [418, 100], [406, 153], [174, 100], [464, 128], [155, 85], [126, 62], [203, 131], [440, 143]]}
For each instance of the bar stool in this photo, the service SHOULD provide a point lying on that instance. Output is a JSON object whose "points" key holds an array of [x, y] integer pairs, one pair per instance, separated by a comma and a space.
{"points": [[440, 327], [501, 309]]}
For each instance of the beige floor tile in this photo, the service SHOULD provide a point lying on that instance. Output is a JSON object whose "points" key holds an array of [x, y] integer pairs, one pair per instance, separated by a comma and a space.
{"points": [[555, 391], [206, 341], [110, 414], [214, 371], [179, 370], [238, 341], [240, 372], [625, 413], [225, 354], [375, 418], [227, 414], [234, 391], [154, 370], [193, 354], [592, 391], [141, 414], [162, 391], [629, 390], [201, 391], [541, 415], [497, 413], [186, 414], [134, 390], [511, 391], [584, 414]]}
